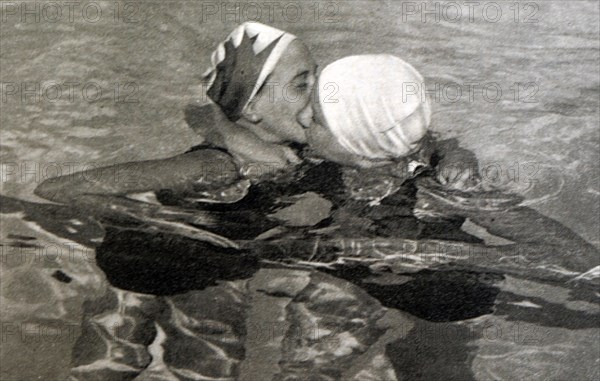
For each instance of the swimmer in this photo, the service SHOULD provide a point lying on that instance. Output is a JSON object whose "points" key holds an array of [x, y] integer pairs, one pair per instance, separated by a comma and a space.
{"points": [[370, 123], [250, 127]]}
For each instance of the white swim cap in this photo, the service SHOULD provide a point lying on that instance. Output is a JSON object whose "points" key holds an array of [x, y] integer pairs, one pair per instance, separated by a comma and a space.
{"points": [[371, 111]]}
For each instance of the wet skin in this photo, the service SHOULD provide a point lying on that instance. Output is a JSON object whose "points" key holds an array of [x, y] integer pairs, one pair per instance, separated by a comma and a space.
{"points": [[269, 122], [273, 114], [323, 143]]}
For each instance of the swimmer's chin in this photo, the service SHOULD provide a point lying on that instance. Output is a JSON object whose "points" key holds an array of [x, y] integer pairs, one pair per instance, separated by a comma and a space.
{"points": [[344, 158]]}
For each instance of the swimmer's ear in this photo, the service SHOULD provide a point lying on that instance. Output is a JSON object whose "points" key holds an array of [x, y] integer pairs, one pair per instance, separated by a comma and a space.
{"points": [[250, 113]]}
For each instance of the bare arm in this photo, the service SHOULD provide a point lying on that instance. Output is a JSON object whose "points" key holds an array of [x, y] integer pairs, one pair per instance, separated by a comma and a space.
{"points": [[499, 215], [526, 225], [202, 168]]}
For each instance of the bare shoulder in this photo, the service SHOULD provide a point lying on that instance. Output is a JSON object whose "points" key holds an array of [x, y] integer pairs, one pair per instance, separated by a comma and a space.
{"points": [[210, 154], [212, 163]]}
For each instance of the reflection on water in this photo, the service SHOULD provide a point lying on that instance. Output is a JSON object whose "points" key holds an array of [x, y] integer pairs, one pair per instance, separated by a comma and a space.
{"points": [[445, 313], [545, 147]]}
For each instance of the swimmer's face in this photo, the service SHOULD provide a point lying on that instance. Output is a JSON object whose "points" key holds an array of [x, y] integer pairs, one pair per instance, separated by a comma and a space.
{"points": [[322, 142], [274, 111], [318, 136]]}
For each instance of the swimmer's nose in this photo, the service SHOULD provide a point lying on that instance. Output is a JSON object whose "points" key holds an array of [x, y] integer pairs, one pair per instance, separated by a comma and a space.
{"points": [[305, 116]]}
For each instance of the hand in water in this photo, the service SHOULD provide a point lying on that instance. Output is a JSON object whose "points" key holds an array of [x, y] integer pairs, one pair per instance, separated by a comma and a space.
{"points": [[458, 171], [456, 168]]}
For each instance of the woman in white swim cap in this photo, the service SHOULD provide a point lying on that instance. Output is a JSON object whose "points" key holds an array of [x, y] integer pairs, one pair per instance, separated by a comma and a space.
{"points": [[361, 115], [366, 114]]}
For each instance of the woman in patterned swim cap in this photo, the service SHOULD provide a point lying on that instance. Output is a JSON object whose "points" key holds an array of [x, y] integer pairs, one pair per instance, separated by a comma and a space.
{"points": [[261, 78]]}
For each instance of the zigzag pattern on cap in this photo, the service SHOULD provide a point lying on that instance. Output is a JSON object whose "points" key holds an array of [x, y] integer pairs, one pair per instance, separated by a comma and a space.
{"points": [[237, 74]]}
